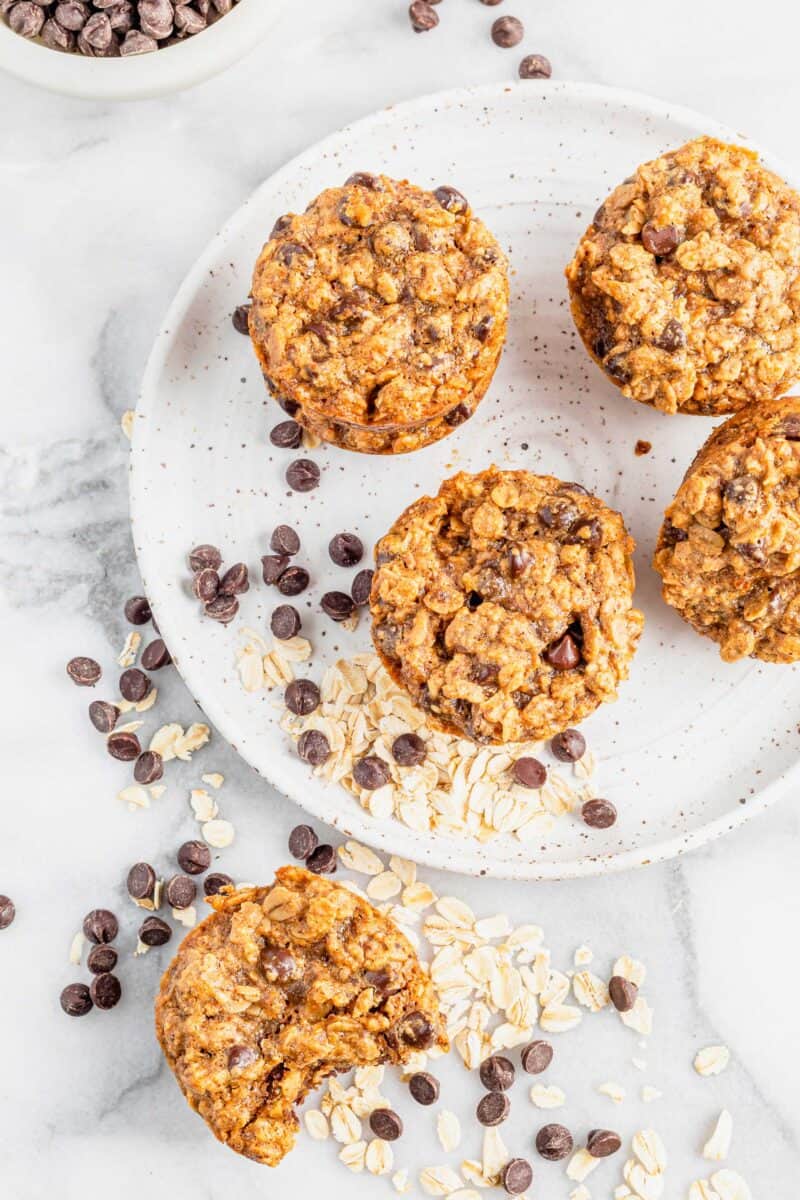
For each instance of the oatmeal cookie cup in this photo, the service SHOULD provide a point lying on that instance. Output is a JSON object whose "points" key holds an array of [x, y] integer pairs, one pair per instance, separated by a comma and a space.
{"points": [[686, 286], [379, 314], [504, 605], [729, 549], [281, 987]]}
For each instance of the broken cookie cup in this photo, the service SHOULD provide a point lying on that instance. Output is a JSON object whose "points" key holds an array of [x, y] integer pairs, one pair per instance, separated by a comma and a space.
{"points": [[729, 549], [685, 288], [278, 989], [504, 605]]}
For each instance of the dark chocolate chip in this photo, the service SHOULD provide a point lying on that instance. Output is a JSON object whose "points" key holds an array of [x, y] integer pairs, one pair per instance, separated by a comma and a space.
{"points": [[293, 581], [568, 746], [535, 66], [141, 882], [85, 672], [346, 549], [137, 610], [101, 959], [424, 1088], [554, 1142], [205, 585], [235, 581], [154, 932], [458, 415], [586, 532], [337, 605], [181, 891], [284, 540], [660, 241], [302, 697], [536, 1057], [493, 1108], [302, 475], [484, 328], [156, 655], [362, 179], [194, 857], [789, 428], [313, 747], [205, 556], [103, 715], [7, 911], [408, 750], [362, 585], [672, 336], [422, 16], [242, 1056], [76, 1000], [415, 1030], [601, 1143], [134, 685], [215, 882], [124, 746], [529, 773], [287, 435], [623, 993], [149, 767], [599, 814], [105, 990], [519, 561], [241, 318], [451, 199], [386, 1124], [516, 1176], [100, 926], [743, 491], [222, 609], [283, 222], [302, 842], [507, 32], [322, 860], [497, 1073], [273, 566], [563, 654], [285, 622], [289, 251], [371, 773], [617, 367]]}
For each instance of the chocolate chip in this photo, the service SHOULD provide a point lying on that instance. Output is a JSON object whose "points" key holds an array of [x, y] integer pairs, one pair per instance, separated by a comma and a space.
{"points": [[554, 1142], [623, 993], [302, 475], [529, 773], [346, 549], [371, 773], [408, 750], [603, 1142], [536, 1057], [415, 1030], [222, 609], [672, 336], [235, 581], [458, 415], [313, 747], [497, 1073], [363, 179], [451, 200], [563, 654], [302, 842], [424, 1088], [215, 882], [205, 585], [535, 66], [484, 328], [386, 1124], [205, 556], [154, 932], [516, 1176], [660, 241], [337, 605], [241, 318], [103, 715], [493, 1108], [586, 532], [362, 585], [105, 990], [283, 222], [7, 911], [568, 746], [242, 1056], [302, 697], [599, 814], [134, 685], [124, 746], [100, 926], [322, 860], [180, 891], [149, 767], [287, 435], [272, 567], [671, 535], [137, 610], [744, 490], [141, 882], [156, 655], [76, 1000], [101, 959], [789, 428], [507, 32], [194, 857], [293, 581], [285, 622], [422, 16], [85, 672], [617, 367], [284, 540]]}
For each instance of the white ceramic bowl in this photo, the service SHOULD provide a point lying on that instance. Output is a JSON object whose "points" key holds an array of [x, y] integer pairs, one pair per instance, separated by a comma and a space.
{"points": [[142, 75]]}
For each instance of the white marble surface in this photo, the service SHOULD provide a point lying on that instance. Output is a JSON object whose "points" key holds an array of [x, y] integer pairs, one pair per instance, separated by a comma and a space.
{"points": [[103, 208]]}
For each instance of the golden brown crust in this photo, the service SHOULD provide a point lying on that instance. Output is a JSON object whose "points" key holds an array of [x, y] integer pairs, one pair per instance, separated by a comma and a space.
{"points": [[379, 314], [729, 549], [281, 987], [686, 287], [484, 595]]}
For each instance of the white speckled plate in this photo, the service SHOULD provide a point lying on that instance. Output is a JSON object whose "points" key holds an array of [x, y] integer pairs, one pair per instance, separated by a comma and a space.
{"points": [[693, 746]]}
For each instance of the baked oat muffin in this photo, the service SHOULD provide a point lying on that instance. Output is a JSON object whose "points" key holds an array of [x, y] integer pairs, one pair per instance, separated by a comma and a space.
{"points": [[686, 286], [281, 987], [729, 549], [504, 604], [379, 313]]}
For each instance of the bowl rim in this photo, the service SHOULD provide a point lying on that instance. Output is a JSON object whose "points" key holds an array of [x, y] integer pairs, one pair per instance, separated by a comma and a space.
{"points": [[141, 76]]}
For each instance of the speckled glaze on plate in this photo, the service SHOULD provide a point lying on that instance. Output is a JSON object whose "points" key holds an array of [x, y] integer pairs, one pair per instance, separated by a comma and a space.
{"points": [[693, 746]]}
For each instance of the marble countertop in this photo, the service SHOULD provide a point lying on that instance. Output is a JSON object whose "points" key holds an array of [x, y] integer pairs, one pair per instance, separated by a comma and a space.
{"points": [[104, 208]]}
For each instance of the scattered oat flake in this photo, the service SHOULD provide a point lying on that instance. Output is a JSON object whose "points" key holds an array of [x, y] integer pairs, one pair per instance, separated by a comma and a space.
{"points": [[560, 1018], [384, 886], [729, 1185], [360, 859], [126, 423], [583, 956], [135, 796], [448, 1129], [250, 665], [218, 834], [649, 1149], [590, 991], [401, 1182], [127, 655], [316, 1124], [701, 1189], [712, 1060], [494, 1155], [581, 1192], [195, 737], [164, 740], [76, 948], [581, 1165], [353, 1156], [185, 916], [345, 1125], [204, 806], [157, 790], [439, 1181], [639, 1018], [718, 1146], [379, 1158], [141, 948], [547, 1097], [614, 1091], [630, 969], [649, 1094], [213, 779]]}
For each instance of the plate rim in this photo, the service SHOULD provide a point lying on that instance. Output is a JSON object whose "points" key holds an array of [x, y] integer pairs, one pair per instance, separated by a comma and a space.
{"points": [[400, 839]]}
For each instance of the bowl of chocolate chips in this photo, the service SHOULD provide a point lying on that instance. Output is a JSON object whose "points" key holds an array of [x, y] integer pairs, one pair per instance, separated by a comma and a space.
{"points": [[127, 49]]}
